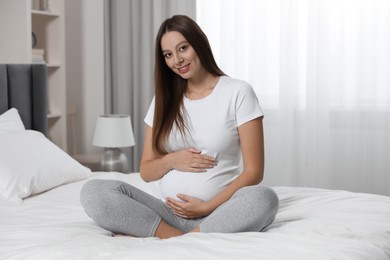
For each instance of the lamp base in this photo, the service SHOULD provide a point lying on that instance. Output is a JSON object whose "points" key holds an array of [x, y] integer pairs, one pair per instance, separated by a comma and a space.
{"points": [[113, 159]]}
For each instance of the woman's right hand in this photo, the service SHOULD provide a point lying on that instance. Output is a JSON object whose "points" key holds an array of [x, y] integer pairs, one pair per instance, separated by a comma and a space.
{"points": [[191, 160], [154, 166]]}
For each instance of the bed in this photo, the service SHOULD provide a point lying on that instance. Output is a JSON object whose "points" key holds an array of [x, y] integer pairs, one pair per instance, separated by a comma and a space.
{"points": [[41, 216]]}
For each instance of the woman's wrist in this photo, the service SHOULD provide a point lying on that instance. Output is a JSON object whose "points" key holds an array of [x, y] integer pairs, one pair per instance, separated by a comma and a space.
{"points": [[168, 163], [210, 206]]}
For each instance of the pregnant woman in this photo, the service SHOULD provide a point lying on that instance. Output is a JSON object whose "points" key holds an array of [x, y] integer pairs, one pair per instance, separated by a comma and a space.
{"points": [[203, 142]]}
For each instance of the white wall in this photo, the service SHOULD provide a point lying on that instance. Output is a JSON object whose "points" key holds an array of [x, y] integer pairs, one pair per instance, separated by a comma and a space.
{"points": [[15, 42], [84, 22]]}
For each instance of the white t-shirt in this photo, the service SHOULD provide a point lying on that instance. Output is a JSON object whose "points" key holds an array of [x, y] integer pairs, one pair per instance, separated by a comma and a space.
{"points": [[213, 122]]}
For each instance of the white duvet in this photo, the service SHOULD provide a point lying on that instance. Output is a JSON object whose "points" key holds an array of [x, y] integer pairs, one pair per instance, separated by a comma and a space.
{"points": [[311, 224]]}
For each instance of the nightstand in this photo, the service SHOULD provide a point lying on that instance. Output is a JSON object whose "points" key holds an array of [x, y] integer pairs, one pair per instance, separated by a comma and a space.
{"points": [[89, 160]]}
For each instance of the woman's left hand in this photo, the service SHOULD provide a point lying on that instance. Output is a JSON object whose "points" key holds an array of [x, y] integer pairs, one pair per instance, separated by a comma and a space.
{"points": [[189, 207]]}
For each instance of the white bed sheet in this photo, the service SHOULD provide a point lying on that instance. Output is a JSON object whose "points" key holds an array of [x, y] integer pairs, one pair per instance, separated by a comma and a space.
{"points": [[311, 224]]}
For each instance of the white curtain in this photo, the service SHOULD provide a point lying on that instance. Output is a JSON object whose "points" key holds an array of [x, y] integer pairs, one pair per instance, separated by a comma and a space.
{"points": [[131, 28], [321, 70]]}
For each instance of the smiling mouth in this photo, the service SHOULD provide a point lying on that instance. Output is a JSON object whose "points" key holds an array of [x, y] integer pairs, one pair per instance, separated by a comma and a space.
{"points": [[184, 69]]}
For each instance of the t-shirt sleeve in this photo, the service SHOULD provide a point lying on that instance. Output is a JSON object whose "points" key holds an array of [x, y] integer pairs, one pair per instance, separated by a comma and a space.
{"points": [[150, 114], [247, 105]]}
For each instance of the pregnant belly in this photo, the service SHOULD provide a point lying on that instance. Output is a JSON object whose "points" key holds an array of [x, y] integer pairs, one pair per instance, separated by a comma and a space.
{"points": [[204, 186]]}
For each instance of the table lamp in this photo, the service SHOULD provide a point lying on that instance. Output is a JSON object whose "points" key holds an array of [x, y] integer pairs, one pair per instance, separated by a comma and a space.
{"points": [[113, 132]]}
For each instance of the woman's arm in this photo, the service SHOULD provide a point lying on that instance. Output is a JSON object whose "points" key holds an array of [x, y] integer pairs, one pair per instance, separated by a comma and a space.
{"points": [[252, 146], [155, 166]]}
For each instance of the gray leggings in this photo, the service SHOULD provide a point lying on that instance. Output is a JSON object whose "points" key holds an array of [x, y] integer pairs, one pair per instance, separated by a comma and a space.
{"points": [[125, 209]]}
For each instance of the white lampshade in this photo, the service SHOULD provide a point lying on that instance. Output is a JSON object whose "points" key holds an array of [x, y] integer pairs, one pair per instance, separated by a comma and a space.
{"points": [[113, 131]]}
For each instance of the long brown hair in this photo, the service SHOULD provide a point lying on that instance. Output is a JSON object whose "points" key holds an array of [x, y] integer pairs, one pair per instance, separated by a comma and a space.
{"points": [[170, 87]]}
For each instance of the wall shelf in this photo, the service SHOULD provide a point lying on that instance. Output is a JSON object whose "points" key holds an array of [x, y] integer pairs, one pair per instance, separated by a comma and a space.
{"points": [[49, 30], [53, 115], [53, 66], [44, 13], [38, 36]]}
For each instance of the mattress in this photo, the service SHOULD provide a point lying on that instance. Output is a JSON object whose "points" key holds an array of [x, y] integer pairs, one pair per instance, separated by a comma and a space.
{"points": [[311, 224]]}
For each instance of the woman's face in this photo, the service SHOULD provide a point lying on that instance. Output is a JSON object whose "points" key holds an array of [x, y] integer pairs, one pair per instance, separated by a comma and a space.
{"points": [[179, 55]]}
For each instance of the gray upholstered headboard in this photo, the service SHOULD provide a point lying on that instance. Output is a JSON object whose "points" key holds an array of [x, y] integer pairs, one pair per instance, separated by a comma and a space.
{"points": [[24, 87]]}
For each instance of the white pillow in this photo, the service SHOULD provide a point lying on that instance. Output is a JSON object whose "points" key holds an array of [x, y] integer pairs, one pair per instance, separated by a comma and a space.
{"points": [[30, 164], [10, 121]]}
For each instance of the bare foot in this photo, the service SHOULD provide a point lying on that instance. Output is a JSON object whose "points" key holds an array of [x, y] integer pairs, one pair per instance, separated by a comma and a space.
{"points": [[197, 229], [166, 231]]}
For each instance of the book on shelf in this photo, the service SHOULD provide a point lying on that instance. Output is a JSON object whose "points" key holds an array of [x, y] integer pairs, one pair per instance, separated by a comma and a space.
{"points": [[38, 56]]}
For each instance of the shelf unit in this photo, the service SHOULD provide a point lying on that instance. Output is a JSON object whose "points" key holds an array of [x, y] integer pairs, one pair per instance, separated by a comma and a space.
{"points": [[18, 21], [49, 30]]}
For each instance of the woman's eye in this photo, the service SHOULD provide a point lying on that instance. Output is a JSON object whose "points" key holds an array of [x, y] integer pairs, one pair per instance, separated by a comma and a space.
{"points": [[167, 55], [183, 48]]}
